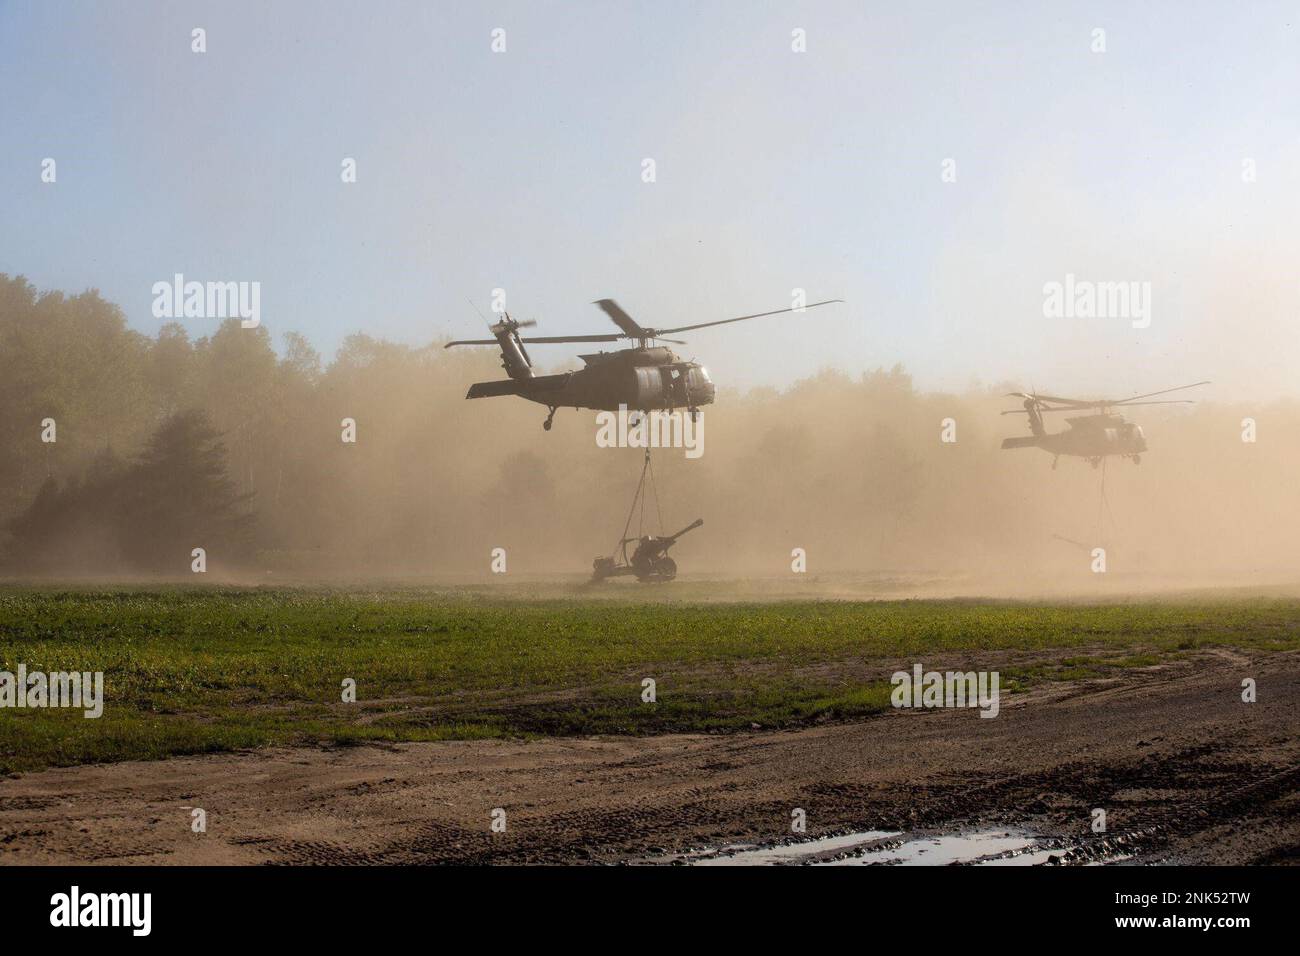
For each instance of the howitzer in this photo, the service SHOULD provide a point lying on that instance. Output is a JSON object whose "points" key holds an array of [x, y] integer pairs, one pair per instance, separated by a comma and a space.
{"points": [[649, 561]]}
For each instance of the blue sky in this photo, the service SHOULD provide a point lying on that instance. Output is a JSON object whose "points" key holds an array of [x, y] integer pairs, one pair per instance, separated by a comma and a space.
{"points": [[775, 170]]}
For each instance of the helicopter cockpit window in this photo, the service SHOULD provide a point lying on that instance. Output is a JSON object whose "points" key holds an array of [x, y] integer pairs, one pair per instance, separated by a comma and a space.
{"points": [[674, 386]]}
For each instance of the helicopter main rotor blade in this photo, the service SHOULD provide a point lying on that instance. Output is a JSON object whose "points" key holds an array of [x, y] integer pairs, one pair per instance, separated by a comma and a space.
{"points": [[654, 333], [1047, 408], [555, 339], [545, 339], [1166, 391], [559, 339], [1075, 402], [620, 318], [1094, 403], [631, 328], [1081, 407], [1167, 401]]}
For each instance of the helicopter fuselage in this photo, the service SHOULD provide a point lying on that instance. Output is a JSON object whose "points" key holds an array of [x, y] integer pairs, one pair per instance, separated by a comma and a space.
{"points": [[1089, 436], [638, 379]]}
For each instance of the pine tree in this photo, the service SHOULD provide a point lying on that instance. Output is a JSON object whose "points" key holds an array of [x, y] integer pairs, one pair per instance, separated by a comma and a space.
{"points": [[178, 496]]}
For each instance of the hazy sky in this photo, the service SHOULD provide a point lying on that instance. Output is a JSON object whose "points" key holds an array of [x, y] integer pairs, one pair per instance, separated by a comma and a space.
{"points": [[775, 170]]}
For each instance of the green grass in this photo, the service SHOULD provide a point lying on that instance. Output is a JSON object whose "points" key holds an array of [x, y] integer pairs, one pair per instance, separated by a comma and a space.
{"points": [[189, 670]]}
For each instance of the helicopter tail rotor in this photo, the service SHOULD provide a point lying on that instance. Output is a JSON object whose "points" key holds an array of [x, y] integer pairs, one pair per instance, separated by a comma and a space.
{"points": [[1033, 407], [505, 333], [1035, 417]]}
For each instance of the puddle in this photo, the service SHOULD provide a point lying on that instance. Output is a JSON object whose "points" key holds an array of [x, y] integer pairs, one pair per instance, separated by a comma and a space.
{"points": [[1029, 857], [956, 848], [748, 855], [1000, 847]]}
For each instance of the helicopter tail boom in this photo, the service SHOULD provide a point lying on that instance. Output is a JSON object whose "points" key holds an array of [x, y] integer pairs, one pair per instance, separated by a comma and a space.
{"points": [[493, 389], [528, 387]]}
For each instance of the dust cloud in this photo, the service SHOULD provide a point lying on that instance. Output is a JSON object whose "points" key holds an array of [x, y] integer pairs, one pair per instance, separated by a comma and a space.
{"points": [[854, 471], [850, 468]]}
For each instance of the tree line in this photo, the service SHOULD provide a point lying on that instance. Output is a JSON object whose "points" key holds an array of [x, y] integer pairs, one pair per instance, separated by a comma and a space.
{"points": [[169, 442]]}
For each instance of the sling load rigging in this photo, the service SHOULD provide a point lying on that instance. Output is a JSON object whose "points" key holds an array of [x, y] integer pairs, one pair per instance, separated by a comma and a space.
{"points": [[649, 560]]}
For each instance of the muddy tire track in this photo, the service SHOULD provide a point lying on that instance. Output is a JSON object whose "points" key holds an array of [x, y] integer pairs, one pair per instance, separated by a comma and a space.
{"points": [[1185, 770]]}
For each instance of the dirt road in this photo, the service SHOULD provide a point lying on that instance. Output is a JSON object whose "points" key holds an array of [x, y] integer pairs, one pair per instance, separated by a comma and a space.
{"points": [[1185, 770]]}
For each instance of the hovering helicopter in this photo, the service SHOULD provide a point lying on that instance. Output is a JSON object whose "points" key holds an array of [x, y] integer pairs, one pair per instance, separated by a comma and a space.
{"points": [[1089, 436], [643, 378]]}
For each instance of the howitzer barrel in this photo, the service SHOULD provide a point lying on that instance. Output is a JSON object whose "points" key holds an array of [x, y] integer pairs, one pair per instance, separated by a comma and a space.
{"points": [[690, 527]]}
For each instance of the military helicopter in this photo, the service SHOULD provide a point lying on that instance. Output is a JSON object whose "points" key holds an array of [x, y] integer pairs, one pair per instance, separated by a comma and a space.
{"points": [[643, 378], [1089, 436]]}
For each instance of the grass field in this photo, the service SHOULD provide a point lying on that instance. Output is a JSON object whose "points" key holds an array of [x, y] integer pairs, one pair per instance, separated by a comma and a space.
{"points": [[188, 670]]}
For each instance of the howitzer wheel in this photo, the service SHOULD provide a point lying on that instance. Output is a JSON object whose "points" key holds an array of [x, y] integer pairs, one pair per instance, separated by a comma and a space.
{"points": [[664, 569]]}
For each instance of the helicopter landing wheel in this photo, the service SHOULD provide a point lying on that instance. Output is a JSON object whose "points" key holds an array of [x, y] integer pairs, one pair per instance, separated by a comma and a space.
{"points": [[1137, 459], [1054, 461], [695, 414], [547, 424]]}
